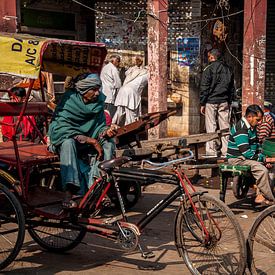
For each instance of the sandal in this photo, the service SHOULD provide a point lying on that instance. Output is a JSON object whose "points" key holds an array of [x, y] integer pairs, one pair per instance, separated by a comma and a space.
{"points": [[260, 198], [267, 202]]}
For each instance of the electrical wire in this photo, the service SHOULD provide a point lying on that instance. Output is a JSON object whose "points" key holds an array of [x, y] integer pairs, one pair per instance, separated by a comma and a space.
{"points": [[107, 14], [207, 19], [153, 15], [224, 39]]}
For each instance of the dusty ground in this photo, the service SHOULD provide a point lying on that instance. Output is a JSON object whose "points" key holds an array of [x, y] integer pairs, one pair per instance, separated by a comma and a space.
{"points": [[100, 256]]}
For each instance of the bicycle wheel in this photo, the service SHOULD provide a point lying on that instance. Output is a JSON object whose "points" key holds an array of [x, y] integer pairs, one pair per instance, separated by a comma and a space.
{"points": [[261, 243], [12, 226], [225, 252], [55, 238]]}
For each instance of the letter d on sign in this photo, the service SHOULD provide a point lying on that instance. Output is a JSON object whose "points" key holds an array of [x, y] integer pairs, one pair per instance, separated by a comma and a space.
{"points": [[16, 47]]}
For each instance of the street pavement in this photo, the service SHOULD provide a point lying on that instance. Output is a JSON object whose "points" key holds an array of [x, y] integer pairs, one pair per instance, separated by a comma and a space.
{"points": [[99, 256]]}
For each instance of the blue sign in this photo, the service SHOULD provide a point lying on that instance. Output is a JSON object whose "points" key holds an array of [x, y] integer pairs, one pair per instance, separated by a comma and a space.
{"points": [[188, 50]]}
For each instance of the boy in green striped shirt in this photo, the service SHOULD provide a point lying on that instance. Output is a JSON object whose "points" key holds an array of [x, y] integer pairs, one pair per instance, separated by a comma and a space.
{"points": [[244, 149]]}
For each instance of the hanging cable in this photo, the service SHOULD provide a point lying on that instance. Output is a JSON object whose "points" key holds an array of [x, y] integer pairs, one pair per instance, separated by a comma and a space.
{"points": [[106, 14], [224, 39]]}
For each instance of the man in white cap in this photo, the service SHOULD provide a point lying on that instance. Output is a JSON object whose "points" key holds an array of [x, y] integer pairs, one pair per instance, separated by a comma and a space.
{"points": [[128, 100], [111, 83]]}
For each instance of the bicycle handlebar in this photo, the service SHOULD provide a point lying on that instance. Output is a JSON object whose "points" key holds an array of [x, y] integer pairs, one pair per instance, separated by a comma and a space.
{"points": [[159, 165]]}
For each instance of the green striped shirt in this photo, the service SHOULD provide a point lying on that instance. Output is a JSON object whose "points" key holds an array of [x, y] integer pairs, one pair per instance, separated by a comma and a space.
{"points": [[243, 142]]}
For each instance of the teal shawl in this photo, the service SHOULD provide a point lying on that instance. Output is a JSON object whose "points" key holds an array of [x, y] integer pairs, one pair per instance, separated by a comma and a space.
{"points": [[73, 117]]}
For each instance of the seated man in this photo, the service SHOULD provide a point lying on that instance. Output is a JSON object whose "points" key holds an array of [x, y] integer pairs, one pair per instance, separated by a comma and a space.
{"points": [[77, 129], [243, 149], [266, 128]]}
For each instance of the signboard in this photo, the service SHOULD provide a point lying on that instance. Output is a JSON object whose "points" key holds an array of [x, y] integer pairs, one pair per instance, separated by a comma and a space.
{"points": [[20, 56], [24, 55], [188, 49]]}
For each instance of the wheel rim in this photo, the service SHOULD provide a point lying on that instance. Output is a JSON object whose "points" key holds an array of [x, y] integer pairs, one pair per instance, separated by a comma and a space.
{"points": [[11, 232], [221, 255], [56, 238], [263, 246]]}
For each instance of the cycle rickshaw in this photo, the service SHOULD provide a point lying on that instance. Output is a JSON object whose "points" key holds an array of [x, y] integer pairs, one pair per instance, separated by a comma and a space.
{"points": [[207, 235]]}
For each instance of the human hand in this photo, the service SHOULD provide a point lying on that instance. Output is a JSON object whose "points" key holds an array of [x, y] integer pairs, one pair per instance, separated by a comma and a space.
{"points": [[268, 165], [203, 110], [112, 131], [97, 147]]}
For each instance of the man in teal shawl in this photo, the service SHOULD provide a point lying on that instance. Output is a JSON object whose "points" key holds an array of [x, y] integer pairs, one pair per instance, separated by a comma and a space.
{"points": [[78, 132]]}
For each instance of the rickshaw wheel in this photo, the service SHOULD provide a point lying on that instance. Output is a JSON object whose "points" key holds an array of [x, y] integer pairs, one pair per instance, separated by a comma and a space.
{"points": [[49, 177], [240, 186], [130, 193], [56, 238], [12, 226]]}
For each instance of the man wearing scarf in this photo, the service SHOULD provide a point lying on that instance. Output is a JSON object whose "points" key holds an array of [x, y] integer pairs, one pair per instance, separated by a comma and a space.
{"points": [[78, 132]]}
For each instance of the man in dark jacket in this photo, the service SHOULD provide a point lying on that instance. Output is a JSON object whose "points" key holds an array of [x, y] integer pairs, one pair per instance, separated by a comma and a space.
{"points": [[216, 93]]}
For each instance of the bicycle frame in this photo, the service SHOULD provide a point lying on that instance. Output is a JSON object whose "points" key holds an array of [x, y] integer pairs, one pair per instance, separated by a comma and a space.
{"points": [[102, 228]]}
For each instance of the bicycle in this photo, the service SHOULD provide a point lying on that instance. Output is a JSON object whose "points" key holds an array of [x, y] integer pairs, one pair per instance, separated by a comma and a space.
{"points": [[261, 243], [207, 235]]}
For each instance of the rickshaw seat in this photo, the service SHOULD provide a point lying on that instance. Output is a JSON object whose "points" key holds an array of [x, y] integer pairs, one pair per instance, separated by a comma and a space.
{"points": [[15, 108], [29, 153]]}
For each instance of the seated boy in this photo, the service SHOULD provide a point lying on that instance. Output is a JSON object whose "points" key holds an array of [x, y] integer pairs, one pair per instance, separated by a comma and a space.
{"points": [[243, 149]]}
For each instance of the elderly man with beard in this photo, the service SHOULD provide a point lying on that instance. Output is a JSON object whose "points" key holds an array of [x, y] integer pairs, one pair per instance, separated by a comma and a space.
{"points": [[128, 100], [78, 133]]}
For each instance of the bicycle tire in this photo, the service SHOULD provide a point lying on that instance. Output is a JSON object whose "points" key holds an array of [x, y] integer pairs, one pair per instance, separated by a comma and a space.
{"points": [[56, 239], [264, 246], [10, 209], [233, 259]]}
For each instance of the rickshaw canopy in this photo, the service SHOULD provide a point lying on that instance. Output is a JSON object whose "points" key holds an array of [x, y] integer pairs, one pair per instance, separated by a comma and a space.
{"points": [[26, 55]]}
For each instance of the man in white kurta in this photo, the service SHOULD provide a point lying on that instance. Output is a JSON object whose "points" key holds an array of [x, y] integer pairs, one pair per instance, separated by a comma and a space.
{"points": [[111, 83], [128, 100]]}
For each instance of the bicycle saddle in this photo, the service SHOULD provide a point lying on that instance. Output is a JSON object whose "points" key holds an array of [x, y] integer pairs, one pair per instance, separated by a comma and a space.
{"points": [[108, 165]]}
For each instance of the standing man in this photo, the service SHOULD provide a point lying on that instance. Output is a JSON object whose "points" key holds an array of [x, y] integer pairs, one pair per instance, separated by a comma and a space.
{"points": [[216, 93], [111, 83], [128, 100]]}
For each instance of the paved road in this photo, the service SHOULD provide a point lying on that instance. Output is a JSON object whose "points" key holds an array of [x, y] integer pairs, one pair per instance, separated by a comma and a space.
{"points": [[104, 257]]}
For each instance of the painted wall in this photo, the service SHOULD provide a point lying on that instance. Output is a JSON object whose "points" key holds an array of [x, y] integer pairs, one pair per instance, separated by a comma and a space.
{"points": [[8, 15]]}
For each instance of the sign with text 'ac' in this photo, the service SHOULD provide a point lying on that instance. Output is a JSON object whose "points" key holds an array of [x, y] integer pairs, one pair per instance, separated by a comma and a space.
{"points": [[20, 55]]}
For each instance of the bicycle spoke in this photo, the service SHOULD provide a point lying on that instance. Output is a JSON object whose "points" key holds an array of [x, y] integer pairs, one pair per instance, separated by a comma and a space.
{"points": [[223, 252], [262, 243]]}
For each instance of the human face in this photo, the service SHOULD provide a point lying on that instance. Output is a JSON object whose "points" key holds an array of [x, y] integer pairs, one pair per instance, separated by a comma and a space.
{"points": [[91, 95], [254, 120], [211, 57], [139, 61], [116, 62]]}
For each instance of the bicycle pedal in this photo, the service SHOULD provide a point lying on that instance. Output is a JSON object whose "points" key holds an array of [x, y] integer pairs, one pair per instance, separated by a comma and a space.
{"points": [[148, 255]]}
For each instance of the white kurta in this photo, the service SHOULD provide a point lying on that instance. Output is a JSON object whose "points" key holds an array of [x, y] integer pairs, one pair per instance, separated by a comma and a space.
{"points": [[129, 95], [111, 82]]}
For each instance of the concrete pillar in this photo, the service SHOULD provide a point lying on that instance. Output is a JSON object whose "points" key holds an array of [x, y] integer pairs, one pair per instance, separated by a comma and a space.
{"points": [[8, 16], [254, 52], [157, 61]]}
